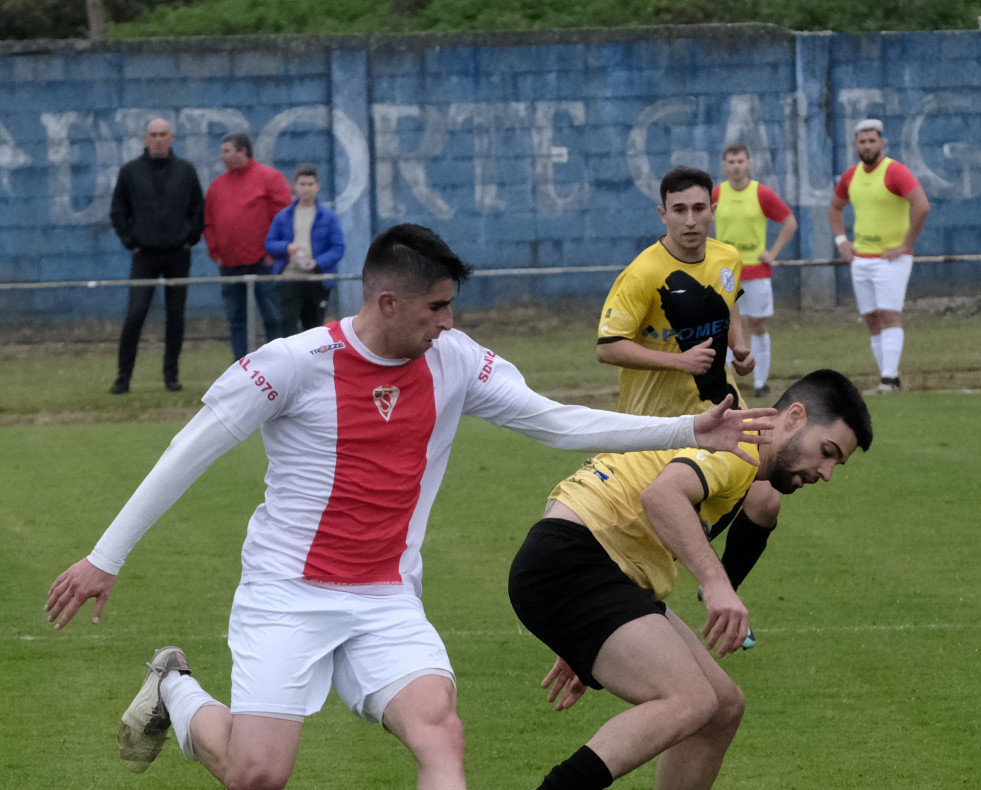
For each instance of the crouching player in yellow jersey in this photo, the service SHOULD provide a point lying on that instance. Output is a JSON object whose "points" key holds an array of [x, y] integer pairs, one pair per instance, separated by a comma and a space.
{"points": [[590, 580]]}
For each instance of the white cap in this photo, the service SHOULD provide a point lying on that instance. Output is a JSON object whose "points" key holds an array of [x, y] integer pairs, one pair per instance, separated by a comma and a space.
{"points": [[869, 125]]}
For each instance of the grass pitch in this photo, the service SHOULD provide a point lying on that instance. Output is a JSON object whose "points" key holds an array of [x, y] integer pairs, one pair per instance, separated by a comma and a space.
{"points": [[864, 605]]}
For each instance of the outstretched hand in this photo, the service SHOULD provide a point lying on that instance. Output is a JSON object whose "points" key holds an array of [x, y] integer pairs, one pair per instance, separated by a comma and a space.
{"points": [[721, 428], [566, 687], [73, 588]]}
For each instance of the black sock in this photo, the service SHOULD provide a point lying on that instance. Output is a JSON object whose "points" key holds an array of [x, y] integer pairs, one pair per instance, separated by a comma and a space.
{"points": [[744, 546], [583, 771]]}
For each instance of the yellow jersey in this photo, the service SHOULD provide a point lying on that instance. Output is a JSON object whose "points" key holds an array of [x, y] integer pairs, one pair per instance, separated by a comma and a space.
{"points": [[605, 493], [669, 305]]}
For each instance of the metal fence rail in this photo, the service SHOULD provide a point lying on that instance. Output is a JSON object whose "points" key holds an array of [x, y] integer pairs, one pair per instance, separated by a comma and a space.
{"points": [[250, 280]]}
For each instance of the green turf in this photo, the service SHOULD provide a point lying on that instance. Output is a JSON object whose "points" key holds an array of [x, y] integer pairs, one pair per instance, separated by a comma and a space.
{"points": [[864, 605], [554, 350]]}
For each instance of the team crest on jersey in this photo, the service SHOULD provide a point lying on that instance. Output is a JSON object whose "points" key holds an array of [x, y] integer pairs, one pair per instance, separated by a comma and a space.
{"points": [[385, 398], [728, 280]]}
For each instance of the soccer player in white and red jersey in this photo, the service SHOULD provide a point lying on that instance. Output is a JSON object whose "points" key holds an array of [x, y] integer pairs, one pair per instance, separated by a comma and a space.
{"points": [[890, 211], [357, 419]]}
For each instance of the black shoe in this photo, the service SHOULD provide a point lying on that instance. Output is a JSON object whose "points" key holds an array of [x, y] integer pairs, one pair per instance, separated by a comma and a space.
{"points": [[762, 392], [119, 387], [885, 385], [173, 385]]}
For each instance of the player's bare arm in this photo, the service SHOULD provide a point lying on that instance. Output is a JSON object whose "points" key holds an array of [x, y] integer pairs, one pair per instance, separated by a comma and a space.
{"points": [[722, 428], [742, 360], [625, 353], [836, 218], [919, 208], [669, 502], [787, 230]]}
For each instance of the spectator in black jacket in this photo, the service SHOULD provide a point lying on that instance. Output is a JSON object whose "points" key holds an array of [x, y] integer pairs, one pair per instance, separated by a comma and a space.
{"points": [[158, 214]]}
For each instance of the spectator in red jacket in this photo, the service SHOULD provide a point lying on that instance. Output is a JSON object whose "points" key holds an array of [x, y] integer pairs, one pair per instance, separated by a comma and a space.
{"points": [[238, 209]]}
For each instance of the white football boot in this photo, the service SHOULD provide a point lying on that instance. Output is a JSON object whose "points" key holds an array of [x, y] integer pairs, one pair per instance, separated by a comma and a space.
{"points": [[145, 723]]}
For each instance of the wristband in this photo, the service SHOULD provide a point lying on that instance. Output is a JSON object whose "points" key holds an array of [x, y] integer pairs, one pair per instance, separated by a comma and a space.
{"points": [[839, 240]]}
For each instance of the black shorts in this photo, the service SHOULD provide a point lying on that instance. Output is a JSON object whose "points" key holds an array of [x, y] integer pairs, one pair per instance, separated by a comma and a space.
{"points": [[569, 593]]}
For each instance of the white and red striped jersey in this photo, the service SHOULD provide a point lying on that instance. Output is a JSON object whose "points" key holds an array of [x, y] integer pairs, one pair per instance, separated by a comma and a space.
{"points": [[357, 447]]}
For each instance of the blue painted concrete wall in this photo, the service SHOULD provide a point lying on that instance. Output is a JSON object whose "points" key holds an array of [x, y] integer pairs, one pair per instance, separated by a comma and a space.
{"points": [[523, 150]]}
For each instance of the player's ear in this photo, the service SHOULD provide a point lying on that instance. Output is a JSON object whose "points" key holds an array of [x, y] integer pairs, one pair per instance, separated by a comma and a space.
{"points": [[386, 303], [795, 416]]}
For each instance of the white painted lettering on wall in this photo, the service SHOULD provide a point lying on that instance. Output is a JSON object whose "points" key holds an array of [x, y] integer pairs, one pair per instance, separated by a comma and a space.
{"points": [[487, 120], [669, 112], [11, 157], [414, 142], [393, 163]]}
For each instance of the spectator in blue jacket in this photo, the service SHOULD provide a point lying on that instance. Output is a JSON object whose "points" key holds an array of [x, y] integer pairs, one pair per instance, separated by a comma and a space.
{"points": [[304, 238]]}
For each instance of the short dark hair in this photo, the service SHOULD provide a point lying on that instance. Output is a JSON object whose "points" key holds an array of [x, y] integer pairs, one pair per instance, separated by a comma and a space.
{"points": [[242, 142], [412, 258], [681, 178], [736, 148], [305, 170], [829, 396]]}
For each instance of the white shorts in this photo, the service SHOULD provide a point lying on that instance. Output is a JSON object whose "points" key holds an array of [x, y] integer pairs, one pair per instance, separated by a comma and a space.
{"points": [[757, 298], [880, 284], [291, 641]]}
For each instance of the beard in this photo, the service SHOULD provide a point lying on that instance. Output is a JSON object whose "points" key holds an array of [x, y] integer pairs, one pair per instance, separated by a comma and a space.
{"points": [[869, 159], [785, 468]]}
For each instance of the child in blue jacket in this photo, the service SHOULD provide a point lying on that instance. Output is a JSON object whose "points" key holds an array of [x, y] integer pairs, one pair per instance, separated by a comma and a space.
{"points": [[304, 238]]}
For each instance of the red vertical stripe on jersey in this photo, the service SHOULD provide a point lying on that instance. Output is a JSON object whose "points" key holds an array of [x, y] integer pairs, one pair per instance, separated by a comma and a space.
{"points": [[380, 464]]}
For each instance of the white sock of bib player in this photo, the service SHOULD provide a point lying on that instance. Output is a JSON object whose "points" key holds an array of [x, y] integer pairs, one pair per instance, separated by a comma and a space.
{"points": [[759, 347], [184, 697], [892, 350], [876, 342]]}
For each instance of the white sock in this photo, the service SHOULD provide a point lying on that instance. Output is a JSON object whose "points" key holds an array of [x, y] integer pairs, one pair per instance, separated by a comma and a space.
{"points": [[759, 347], [876, 342], [184, 697], [892, 350]]}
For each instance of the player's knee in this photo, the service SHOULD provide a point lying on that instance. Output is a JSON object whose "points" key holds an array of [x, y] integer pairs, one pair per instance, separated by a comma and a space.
{"points": [[256, 775], [424, 718], [255, 770], [719, 708], [438, 738], [731, 707], [697, 704]]}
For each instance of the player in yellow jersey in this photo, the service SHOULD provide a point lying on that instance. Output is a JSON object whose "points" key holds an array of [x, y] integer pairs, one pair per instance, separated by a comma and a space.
{"points": [[671, 314], [742, 208], [890, 211], [590, 580], [666, 323]]}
